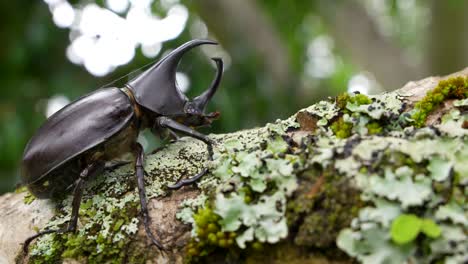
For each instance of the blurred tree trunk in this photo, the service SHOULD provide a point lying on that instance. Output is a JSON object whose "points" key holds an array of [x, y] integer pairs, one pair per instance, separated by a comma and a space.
{"points": [[357, 36], [249, 36], [447, 37]]}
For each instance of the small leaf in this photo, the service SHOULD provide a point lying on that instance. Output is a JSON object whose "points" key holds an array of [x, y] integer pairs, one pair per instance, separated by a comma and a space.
{"points": [[430, 228], [405, 228]]}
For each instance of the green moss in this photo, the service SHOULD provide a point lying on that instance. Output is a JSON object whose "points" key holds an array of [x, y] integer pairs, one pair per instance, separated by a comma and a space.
{"points": [[28, 198], [342, 100], [341, 128], [99, 244], [358, 99], [210, 237], [453, 88], [374, 128], [324, 204]]}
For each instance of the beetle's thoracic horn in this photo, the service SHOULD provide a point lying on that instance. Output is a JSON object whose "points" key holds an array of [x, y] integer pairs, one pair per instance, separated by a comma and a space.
{"points": [[156, 88], [201, 100]]}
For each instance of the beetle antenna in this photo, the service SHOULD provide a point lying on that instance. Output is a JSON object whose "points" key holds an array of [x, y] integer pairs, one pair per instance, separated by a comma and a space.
{"points": [[128, 74]]}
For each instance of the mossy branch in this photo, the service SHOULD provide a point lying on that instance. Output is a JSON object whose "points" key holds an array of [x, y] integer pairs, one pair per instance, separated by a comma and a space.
{"points": [[326, 185]]}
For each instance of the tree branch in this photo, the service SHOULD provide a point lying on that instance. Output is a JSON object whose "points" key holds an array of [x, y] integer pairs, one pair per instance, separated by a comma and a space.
{"points": [[295, 170]]}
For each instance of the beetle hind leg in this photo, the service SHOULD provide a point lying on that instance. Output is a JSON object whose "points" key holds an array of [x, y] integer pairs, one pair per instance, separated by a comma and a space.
{"points": [[140, 174], [77, 194]]}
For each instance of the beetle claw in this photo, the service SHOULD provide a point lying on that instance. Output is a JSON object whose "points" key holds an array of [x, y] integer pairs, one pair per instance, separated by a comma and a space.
{"points": [[154, 241]]}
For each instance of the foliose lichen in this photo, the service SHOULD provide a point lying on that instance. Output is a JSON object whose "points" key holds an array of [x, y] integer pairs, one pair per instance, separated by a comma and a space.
{"points": [[364, 169], [360, 176], [108, 216], [254, 176]]}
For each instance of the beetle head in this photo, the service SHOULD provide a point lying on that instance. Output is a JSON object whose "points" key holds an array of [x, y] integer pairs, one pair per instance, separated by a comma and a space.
{"points": [[156, 89]]}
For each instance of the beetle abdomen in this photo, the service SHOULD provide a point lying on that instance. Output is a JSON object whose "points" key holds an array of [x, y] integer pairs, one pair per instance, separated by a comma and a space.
{"points": [[57, 182], [77, 128]]}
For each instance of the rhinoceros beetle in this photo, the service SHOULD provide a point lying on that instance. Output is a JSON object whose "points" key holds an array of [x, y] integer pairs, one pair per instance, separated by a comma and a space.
{"points": [[76, 142]]}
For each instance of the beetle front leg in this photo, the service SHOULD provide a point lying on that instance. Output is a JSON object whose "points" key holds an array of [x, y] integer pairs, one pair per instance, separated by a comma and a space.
{"points": [[77, 195], [140, 175], [171, 124], [166, 122]]}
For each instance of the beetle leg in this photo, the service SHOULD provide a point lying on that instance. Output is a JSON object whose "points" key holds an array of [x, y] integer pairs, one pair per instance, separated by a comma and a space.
{"points": [[171, 124], [185, 182], [77, 194], [116, 164], [174, 135], [140, 175]]}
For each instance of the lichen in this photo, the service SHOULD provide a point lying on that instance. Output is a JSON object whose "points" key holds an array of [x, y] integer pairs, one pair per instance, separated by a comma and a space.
{"points": [[366, 115], [107, 224], [254, 176], [353, 173], [108, 215], [354, 188]]}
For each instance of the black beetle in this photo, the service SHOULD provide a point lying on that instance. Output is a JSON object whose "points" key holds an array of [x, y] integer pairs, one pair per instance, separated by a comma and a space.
{"points": [[77, 141]]}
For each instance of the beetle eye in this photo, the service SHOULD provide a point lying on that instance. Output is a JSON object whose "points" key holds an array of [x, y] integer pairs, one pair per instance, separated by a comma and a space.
{"points": [[190, 109]]}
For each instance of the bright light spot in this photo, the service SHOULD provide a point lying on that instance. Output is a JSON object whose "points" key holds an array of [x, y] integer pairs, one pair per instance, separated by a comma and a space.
{"points": [[198, 29], [63, 14], [52, 2], [97, 21], [96, 66], [81, 47], [118, 6], [174, 23], [148, 29], [56, 103], [321, 62], [359, 83], [151, 51], [183, 81], [141, 3], [72, 56], [101, 40]]}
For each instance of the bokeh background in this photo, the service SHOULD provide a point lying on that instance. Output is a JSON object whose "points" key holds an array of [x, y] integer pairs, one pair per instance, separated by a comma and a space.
{"points": [[280, 55]]}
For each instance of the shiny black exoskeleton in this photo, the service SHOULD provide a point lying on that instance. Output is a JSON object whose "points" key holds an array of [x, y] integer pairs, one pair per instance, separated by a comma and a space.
{"points": [[76, 142]]}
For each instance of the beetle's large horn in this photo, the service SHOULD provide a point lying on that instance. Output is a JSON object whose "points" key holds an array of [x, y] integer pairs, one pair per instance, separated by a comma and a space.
{"points": [[156, 88], [201, 100]]}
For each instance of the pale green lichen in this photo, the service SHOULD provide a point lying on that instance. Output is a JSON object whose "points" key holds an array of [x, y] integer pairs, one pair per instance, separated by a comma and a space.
{"points": [[254, 176], [326, 111], [380, 170], [401, 170], [109, 209]]}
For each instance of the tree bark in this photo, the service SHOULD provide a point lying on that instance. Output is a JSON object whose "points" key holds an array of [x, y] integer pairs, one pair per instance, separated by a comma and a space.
{"points": [[188, 156]]}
